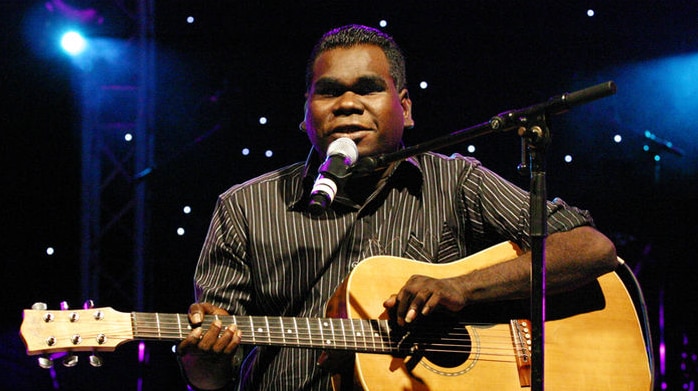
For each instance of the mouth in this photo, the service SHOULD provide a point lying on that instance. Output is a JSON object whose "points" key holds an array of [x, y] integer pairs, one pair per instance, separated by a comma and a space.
{"points": [[351, 131]]}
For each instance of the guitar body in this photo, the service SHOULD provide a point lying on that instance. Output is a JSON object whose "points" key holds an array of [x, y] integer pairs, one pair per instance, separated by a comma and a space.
{"points": [[593, 338]]}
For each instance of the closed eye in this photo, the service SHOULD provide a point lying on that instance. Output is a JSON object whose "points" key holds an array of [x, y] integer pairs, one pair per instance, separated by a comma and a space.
{"points": [[363, 86]]}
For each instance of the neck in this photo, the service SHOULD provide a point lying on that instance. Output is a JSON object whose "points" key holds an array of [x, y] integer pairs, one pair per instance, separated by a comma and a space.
{"points": [[359, 189]]}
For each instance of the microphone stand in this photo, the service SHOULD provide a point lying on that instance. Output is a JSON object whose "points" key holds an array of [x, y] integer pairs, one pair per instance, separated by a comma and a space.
{"points": [[534, 129]]}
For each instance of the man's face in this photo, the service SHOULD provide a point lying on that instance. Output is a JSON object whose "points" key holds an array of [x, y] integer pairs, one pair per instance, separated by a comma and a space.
{"points": [[353, 95]]}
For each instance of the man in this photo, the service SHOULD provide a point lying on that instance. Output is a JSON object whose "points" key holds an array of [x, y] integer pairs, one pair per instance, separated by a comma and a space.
{"points": [[265, 254]]}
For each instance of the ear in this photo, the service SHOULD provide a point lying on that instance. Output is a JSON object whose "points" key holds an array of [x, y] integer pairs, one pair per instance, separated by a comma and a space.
{"points": [[406, 104], [302, 125]]}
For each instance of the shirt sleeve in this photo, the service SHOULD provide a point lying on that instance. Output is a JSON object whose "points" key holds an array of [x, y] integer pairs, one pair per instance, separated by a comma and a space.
{"points": [[222, 276], [496, 209]]}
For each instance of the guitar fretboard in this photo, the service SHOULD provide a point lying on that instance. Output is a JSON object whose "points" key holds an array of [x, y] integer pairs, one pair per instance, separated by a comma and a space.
{"points": [[360, 335]]}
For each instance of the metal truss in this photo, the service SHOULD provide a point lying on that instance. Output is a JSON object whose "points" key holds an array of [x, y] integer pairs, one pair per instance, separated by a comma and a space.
{"points": [[118, 144]]}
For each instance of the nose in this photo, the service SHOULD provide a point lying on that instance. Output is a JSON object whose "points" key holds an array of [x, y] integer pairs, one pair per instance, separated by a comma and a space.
{"points": [[348, 103]]}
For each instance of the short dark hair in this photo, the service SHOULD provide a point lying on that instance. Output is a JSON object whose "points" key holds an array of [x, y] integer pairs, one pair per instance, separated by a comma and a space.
{"points": [[353, 35]]}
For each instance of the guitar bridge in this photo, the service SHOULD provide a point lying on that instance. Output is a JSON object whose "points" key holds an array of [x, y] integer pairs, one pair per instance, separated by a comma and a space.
{"points": [[521, 336]]}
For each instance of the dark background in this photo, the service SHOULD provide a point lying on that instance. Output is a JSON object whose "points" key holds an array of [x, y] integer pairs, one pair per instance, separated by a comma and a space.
{"points": [[243, 60]]}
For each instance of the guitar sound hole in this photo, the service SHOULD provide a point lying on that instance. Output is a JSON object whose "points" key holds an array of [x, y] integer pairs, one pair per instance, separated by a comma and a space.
{"points": [[450, 353]]}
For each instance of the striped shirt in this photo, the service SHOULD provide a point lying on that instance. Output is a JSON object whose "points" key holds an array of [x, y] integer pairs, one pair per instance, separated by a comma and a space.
{"points": [[265, 254]]}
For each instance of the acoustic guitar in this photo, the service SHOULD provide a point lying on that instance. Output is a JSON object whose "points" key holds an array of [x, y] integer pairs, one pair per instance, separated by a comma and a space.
{"points": [[596, 337]]}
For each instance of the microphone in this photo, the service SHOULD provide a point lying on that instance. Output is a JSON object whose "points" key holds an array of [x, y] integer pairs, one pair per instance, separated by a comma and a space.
{"points": [[332, 174]]}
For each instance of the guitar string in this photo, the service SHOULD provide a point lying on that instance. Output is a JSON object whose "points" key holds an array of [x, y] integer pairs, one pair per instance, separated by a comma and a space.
{"points": [[313, 337], [162, 326], [485, 352]]}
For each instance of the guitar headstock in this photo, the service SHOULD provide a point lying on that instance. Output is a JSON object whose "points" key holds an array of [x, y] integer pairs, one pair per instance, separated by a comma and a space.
{"points": [[95, 329]]}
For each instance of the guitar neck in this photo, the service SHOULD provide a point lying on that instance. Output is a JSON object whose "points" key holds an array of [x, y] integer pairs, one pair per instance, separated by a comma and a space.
{"points": [[360, 335]]}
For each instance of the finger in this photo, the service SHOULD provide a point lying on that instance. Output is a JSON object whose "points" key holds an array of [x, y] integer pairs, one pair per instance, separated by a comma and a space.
{"points": [[404, 300], [211, 335], [192, 339], [233, 344], [213, 310], [430, 305], [196, 313], [226, 337], [390, 303], [418, 305], [415, 307]]}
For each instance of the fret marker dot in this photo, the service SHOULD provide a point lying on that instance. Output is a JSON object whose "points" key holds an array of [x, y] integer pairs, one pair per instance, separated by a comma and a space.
{"points": [[358, 334], [259, 330], [328, 342], [325, 324], [289, 331]]}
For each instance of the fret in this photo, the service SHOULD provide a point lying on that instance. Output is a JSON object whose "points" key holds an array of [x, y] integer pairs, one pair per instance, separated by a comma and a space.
{"points": [[363, 334], [344, 333], [391, 346], [373, 335], [330, 321], [283, 330], [254, 338], [295, 326], [157, 322], [353, 333], [179, 327], [322, 334], [379, 334], [247, 332], [266, 322], [310, 334]]}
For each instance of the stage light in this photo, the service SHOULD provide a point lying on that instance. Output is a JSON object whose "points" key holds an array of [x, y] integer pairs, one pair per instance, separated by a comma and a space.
{"points": [[262, 120], [471, 149], [590, 13], [186, 210], [50, 251], [269, 153], [245, 151], [128, 137], [568, 158], [73, 43], [180, 231], [617, 138], [423, 85], [383, 23], [190, 19]]}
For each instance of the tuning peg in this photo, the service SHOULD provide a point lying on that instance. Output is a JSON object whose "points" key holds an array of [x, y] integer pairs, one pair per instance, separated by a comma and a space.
{"points": [[95, 360], [70, 360], [45, 362], [64, 306], [88, 304], [39, 306]]}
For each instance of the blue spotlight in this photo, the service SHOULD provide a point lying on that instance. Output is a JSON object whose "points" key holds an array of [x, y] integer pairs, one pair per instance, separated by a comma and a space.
{"points": [[73, 43]]}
